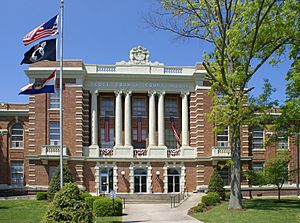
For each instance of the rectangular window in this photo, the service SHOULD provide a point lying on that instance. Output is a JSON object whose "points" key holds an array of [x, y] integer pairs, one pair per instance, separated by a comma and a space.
{"points": [[257, 166], [52, 170], [17, 133], [222, 138], [171, 142], [54, 133], [283, 142], [257, 138], [139, 107], [54, 99], [109, 141], [17, 172], [107, 106], [135, 143], [171, 107]]}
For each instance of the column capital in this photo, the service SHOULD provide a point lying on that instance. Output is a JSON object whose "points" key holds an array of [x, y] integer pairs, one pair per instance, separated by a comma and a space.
{"points": [[161, 93], [184, 93], [96, 92], [118, 92], [128, 92], [150, 93]]}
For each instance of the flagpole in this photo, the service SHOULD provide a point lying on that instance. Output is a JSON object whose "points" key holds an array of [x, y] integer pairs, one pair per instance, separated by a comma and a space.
{"points": [[60, 94]]}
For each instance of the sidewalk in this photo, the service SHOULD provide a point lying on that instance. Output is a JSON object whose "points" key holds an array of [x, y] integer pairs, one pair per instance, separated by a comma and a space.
{"points": [[161, 212]]}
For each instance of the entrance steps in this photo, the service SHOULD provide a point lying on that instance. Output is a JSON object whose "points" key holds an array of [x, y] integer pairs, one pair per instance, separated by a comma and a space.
{"points": [[146, 198]]}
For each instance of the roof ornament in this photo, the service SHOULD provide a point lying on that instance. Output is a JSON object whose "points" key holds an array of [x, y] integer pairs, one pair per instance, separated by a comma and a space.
{"points": [[139, 55]]}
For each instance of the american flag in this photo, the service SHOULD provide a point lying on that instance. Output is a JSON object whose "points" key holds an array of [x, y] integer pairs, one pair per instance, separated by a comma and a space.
{"points": [[106, 127], [174, 130], [49, 28], [139, 129]]}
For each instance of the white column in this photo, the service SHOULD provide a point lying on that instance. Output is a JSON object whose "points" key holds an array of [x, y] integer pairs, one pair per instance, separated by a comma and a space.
{"points": [[161, 120], [127, 127], [118, 119], [152, 124], [184, 119], [94, 118]]}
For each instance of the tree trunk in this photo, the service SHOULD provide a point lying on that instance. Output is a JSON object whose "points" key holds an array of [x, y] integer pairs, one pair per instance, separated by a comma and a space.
{"points": [[279, 193], [235, 201]]}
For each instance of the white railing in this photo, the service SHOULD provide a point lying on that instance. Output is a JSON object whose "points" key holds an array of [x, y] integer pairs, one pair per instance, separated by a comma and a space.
{"points": [[173, 152], [106, 68], [139, 152], [106, 151], [51, 150], [221, 151], [173, 70]]}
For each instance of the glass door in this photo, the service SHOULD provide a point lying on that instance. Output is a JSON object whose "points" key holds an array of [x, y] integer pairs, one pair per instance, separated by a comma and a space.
{"points": [[173, 180], [140, 180], [106, 180]]}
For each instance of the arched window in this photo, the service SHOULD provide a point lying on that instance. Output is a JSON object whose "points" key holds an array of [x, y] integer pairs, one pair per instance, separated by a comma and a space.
{"points": [[17, 136]]}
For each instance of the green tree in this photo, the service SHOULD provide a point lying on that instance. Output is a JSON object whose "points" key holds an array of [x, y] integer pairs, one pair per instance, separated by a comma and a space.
{"points": [[244, 35], [68, 205], [276, 172], [216, 184], [54, 185]]}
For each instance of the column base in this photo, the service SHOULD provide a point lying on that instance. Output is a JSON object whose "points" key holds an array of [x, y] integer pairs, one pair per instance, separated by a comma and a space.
{"points": [[157, 151], [94, 151], [123, 151], [188, 151]]}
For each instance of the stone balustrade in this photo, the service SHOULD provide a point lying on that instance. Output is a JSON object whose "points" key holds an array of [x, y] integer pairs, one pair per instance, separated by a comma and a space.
{"points": [[218, 151], [53, 150]]}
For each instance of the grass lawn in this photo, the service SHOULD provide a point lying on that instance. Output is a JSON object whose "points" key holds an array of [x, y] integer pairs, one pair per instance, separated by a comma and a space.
{"points": [[257, 211], [32, 211], [17, 211]]}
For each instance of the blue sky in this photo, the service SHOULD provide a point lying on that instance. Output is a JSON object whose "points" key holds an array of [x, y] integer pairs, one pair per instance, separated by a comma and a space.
{"points": [[100, 32]]}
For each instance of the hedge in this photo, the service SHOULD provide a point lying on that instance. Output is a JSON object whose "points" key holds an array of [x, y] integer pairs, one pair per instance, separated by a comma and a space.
{"points": [[41, 195], [104, 207], [210, 199], [90, 200], [199, 208]]}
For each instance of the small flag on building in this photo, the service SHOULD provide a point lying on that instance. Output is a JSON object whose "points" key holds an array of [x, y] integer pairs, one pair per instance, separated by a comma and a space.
{"points": [[45, 50], [39, 87], [139, 129], [46, 29], [174, 130], [106, 127]]}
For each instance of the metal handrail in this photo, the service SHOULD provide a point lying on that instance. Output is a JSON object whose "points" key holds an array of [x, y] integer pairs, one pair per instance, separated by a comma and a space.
{"points": [[178, 198]]}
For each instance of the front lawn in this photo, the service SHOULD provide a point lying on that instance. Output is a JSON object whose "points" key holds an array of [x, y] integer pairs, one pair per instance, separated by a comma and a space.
{"points": [[32, 211], [257, 210], [22, 211]]}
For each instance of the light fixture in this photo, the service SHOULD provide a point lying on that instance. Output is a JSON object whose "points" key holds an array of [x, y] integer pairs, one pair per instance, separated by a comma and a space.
{"points": [[123, 173], [157, 173]]}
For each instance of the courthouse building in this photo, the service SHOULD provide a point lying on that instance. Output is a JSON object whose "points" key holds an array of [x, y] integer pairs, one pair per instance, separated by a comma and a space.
{"points": [[132, 127]]}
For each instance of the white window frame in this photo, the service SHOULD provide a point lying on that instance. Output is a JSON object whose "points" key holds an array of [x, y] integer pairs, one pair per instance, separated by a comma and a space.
{"points": [[17, 170], [222, 143], [259, 138], [111, 142], [54, 142], [54, 99], [17, 144]]}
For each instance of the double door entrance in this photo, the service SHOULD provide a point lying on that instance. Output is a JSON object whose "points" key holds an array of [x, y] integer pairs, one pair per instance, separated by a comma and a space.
{"points": [[106, 180], [173, 180], [140, 180]]}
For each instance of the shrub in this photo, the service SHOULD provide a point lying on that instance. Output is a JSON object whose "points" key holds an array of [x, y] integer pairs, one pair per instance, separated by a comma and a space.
{"points": [[68, 206], [227, 196], [210, 199], [55, 181], [199, 208], [104, 207], [216, 184], [215, 196], [86, 194], [90, 200], [41, 195]]}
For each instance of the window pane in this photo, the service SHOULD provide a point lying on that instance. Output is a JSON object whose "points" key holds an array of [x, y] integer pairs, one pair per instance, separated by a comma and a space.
{"points": [[54, 99], [257, 138], [107, 106], [54, 136], [139, 106], [222, 138], [17, 136], [171, 107], [17, 172]]}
